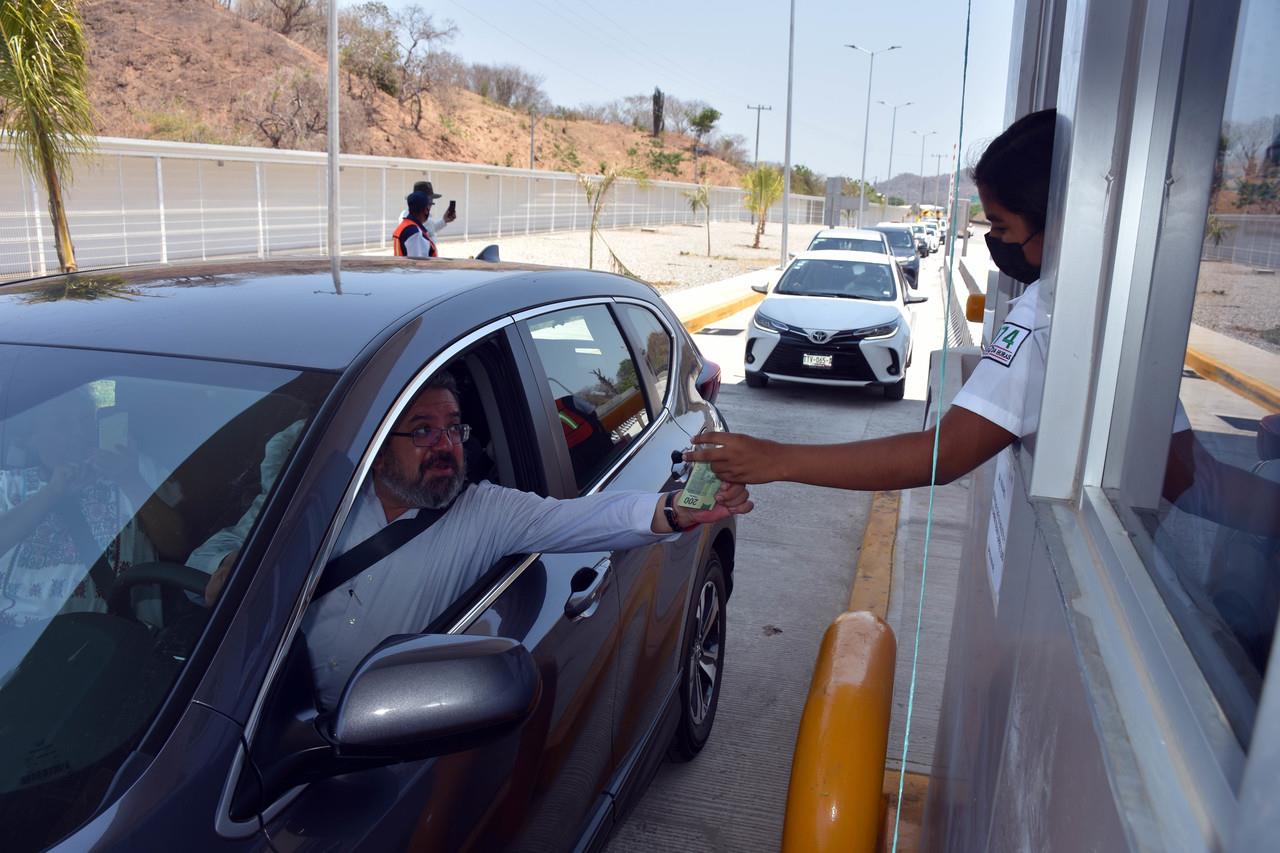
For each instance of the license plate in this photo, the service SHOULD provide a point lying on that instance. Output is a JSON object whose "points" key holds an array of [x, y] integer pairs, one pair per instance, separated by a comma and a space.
{"points": [[811, 360]]}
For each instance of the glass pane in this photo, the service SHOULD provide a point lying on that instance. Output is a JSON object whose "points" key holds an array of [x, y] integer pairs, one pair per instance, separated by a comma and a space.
{"points": [[594, 381], [111, 466], [1215, 539], [841, 279], [655, 346]]}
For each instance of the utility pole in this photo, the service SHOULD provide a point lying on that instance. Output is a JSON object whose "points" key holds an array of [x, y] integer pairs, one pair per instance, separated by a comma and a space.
{"points": [[893, 126], [923, 137], [937, 178], [758, 108], [866, 124]]}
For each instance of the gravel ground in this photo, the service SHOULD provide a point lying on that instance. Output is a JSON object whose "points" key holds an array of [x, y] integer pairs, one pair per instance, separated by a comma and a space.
{"points": [[1240, 302], [670, 257]]}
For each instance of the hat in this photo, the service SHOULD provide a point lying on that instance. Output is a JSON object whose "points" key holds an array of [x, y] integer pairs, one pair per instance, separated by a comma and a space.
{"points": [[425, 187], [416, 201]]}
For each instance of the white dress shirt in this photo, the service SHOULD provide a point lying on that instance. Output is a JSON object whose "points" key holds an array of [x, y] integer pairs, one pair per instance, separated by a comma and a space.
{"points": [[404, 591]]}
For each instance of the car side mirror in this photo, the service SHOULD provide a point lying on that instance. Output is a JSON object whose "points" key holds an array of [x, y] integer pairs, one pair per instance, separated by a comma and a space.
{"points": [[489, 253], [760, 288], [915, 300], [413, 697]]}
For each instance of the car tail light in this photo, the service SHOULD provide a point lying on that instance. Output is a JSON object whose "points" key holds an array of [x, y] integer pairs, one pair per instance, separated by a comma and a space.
{"points": [[709, 381]]}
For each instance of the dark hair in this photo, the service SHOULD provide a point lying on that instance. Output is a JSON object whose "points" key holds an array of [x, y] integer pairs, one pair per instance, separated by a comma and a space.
{"points": [[442, 379], [1016, 166], [417, 202]]}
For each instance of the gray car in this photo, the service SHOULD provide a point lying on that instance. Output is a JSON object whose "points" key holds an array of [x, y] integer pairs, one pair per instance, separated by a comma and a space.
{"points": [[144, 411]]}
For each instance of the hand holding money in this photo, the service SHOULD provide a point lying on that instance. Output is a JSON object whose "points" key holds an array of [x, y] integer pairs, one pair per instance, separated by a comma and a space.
{"points": [[727, 499]]}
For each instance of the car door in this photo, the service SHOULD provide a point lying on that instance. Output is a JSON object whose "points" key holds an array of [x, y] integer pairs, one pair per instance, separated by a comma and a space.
{"points": [[622, 355], [539, 786]]}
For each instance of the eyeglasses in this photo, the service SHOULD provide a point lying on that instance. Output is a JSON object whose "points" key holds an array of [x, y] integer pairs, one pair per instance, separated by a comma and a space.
{"points": [[430, 436]]}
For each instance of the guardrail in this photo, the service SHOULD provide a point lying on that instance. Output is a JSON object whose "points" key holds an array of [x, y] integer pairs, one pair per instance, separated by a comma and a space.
{"points": [[146, 201], [1249, 239]]}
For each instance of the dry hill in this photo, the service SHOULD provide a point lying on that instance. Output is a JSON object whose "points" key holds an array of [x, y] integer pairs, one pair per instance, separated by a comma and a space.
{"points": [[191, 70]]}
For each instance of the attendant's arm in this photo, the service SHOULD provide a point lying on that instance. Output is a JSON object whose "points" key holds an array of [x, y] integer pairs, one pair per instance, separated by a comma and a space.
{"points": [[902, 461]]}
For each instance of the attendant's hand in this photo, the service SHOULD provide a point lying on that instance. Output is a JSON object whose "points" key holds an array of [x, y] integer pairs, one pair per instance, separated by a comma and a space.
{"points": [[731, 499], [739, 458]]}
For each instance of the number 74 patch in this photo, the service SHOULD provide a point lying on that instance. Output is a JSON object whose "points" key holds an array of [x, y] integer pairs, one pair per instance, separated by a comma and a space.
{"points": [[1006, 343]]}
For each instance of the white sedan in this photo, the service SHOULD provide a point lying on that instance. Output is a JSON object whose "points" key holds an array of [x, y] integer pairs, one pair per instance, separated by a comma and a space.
{"points": [[834, 318]]}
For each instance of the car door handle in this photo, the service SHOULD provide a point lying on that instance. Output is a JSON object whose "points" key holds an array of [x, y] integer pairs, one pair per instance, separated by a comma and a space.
{"points": [[588, 589]]}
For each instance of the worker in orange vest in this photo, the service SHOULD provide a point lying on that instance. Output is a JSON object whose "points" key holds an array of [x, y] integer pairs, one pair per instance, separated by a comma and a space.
{"points": [[411, 239]]}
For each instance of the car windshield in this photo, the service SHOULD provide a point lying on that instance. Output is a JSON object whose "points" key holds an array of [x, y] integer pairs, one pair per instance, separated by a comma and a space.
{"points": [[113, 468], [847, 244], [899, 238], [843, 279]]}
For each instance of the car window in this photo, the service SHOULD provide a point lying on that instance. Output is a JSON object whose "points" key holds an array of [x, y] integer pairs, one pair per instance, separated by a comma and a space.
{"points": [[654, 346], [111, 467], [847, 244], [843, 279], [594, 382], [899, 238]]}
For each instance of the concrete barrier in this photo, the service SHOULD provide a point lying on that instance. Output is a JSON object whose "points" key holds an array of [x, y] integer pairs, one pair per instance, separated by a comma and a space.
{"points": [[834, 802]]}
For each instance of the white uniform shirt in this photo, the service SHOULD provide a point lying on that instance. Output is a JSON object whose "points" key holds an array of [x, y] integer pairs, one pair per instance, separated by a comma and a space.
{"points": [[433, 226], [1004, 387], [404, 591]]}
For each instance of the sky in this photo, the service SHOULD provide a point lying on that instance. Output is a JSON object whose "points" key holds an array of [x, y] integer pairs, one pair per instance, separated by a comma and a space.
{"points": [[731, 54]]}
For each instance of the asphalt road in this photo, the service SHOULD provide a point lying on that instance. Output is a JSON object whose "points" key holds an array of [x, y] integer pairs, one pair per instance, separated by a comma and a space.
{"points": [[795, 561]]}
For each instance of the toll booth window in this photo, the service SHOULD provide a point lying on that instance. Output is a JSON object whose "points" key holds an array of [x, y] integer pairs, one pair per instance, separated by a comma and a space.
{"points": [[595, 383], [1215, 538]]}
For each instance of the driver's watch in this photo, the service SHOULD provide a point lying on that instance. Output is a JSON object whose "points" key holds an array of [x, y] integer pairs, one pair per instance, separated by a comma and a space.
{"points": [[669, 510]]}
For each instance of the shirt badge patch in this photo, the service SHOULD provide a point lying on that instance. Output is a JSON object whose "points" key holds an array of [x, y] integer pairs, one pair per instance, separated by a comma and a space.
{"points": [[1006, 343]]}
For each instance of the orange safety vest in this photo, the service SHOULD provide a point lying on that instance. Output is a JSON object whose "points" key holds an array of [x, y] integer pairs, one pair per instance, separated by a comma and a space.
{"points": [[403, 232]]}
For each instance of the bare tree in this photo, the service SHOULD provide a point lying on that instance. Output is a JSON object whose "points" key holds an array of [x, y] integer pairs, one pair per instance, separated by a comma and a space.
{"points": [[287, 17], [290, 110], [1250, 139], [416, 35]]}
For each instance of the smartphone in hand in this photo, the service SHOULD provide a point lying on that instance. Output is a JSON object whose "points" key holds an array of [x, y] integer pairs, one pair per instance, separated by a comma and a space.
{"points": [[453, 208]]}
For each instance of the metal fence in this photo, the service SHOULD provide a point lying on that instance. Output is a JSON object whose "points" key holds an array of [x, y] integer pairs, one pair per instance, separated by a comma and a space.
{"points": [[1252, 240], [146, 201]]}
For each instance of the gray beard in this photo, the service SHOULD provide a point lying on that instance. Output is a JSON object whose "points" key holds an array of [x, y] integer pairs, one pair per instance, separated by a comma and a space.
{"points": [[435, 493]]}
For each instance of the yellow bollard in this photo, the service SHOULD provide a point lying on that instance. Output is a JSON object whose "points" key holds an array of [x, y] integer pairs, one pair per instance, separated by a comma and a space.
{"points": [[837, 772], [974, 307]]}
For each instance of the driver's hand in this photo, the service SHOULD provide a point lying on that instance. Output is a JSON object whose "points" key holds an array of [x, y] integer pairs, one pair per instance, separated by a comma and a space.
{"points": [[219, 578]]}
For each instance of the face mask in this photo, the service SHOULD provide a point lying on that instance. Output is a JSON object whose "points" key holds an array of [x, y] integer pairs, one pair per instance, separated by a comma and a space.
{"points": [[1011, 260]]}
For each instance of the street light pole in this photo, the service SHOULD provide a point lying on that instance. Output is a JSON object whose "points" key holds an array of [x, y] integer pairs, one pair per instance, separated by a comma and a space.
{"points": [[786, 170], [893, 126], [866, 124], [758, 108], [923, 137]]}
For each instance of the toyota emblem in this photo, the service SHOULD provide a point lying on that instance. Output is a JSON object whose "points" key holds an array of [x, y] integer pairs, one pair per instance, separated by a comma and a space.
{"points": [[819, 337]]}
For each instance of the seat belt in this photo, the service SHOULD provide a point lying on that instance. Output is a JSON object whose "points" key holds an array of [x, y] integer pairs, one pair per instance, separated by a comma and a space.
{"points": [[346, 566]]}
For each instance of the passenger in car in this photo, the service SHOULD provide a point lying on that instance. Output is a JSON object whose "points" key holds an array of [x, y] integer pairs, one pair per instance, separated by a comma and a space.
{"points": [[451, 532]]}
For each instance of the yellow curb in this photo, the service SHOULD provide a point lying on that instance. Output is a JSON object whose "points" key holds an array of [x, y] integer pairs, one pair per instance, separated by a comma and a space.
{"points": [[873, 575], [705, 318], [1246, 386]]}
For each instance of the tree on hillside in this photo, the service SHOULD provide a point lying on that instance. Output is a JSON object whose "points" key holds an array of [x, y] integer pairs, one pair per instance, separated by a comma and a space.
{"points": [[657, 112], [289, 18], [805, 181], [764, 187], [44, 111], [416, 35], [596, 188], [701, 123], [700, 199], [509, 86], [290, 109]]}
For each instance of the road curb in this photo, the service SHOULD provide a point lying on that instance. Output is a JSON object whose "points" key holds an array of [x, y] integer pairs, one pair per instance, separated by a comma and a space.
{"points": [[702, 319], [873, 573], [1246, 386]]}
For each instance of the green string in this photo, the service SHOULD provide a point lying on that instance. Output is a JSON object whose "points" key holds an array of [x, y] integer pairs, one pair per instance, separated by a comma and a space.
{"points": [[937, 430]]}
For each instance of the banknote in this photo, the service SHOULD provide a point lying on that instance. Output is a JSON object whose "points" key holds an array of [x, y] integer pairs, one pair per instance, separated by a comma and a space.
{"points": [[700, 492]]}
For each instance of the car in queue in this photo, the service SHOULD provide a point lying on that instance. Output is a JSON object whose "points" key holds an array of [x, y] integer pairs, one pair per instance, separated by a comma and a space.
{"points": [[850, 240], [529, 714], [906, 249], [834, 318]]}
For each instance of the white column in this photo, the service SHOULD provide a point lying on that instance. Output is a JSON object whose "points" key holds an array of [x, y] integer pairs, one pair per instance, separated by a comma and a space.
{"points": [[528, 201], [382, 217], [466, 206], [499, 206], [555, 182], [164, 237], [124, 227], [262, 220], [200, 199]]}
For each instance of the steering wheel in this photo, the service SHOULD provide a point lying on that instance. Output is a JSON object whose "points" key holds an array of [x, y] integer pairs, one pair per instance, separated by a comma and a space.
{"points": [[173, 575]]}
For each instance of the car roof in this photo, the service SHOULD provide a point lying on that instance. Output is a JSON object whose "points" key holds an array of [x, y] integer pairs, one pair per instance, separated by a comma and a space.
{"points": [[839, 255], [846, 231], [896, 225], [284, 312]]}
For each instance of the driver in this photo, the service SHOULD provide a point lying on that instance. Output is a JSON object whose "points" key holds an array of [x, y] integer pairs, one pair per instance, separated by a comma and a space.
{"points": [[421, 468]]}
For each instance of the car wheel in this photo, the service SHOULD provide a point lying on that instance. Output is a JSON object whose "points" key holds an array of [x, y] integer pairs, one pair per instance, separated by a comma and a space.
{"points": [[756, 380], [896, 391], [703, 664]]}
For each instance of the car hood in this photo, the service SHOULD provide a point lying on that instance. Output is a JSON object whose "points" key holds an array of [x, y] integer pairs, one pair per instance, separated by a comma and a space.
{"points": [[829, 313]]}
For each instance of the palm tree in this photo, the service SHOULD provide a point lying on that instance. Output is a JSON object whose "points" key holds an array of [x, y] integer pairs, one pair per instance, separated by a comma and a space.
{"points": [[596, 188], [700, 199], [764, 187], [701, 123], [44, 111]]}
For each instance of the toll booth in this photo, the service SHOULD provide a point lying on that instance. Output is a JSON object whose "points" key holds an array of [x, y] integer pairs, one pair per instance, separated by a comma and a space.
{"points": [[1108, 684]]}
